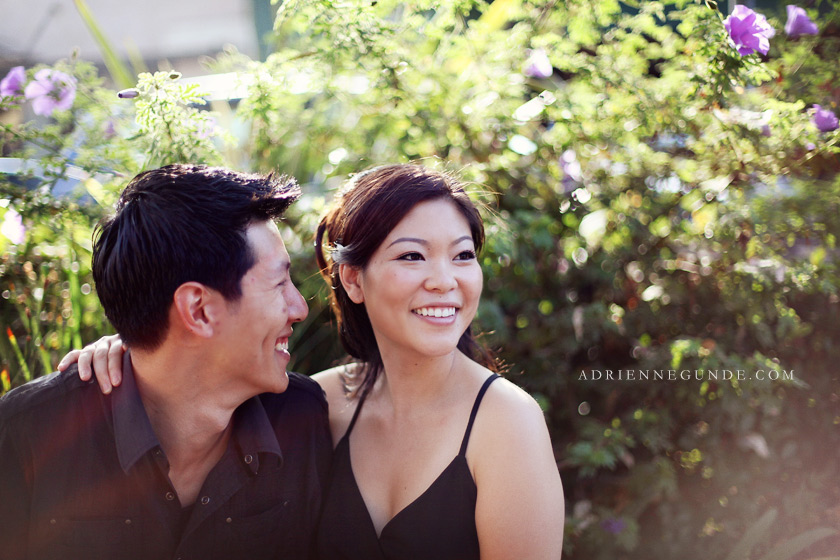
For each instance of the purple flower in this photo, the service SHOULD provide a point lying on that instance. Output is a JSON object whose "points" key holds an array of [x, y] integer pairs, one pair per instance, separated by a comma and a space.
{"points": [[748, 30], [13, 227], [798, 22], [571, 170], [613, 525], [824, 119], [12, 84], [538, 65], [51, 90], [109, 130], [206, 128]]}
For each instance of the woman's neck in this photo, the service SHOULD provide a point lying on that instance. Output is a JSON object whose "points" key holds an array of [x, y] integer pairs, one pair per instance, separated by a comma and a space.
{"points": [[410, 385]]}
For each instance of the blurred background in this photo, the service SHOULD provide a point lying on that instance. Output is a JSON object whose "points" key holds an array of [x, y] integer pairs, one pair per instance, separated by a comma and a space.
{"points": [[156, 31], [661, 192]]}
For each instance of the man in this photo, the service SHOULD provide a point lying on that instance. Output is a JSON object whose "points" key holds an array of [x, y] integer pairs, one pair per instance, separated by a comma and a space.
{"points": [[210, 449]]}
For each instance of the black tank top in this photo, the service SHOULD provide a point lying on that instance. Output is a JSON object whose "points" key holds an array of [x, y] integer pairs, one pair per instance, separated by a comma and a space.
{"points": [[439, 524]]}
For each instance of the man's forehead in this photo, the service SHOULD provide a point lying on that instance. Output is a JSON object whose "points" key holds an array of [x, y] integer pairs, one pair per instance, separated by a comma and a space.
{"points": [[267, 244]]}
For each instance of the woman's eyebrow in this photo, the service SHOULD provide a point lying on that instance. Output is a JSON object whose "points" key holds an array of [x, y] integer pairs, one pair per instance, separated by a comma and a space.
{"points": [[409, 240], [426, 243]]}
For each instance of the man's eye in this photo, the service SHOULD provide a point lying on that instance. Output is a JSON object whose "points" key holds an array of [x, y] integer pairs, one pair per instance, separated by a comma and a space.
{"points": [[411, 257]]}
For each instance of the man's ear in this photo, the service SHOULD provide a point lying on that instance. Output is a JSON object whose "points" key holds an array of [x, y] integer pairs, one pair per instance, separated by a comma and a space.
{"points": [[197, 308], [350, 277]]}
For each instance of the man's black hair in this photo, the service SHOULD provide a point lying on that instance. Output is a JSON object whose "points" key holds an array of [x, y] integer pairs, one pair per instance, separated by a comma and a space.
{"points": [[178, 224]]}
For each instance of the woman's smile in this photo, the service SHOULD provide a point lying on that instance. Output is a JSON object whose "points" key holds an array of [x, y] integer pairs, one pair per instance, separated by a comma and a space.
{"points": [[435, 312]]}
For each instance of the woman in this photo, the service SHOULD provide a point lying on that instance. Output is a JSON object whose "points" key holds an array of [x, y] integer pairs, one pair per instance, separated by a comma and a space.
{"points": [[436, 456]]}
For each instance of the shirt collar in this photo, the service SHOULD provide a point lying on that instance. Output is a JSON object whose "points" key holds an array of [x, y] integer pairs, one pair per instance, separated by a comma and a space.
{"points": [[132, 429], [252, 430]]}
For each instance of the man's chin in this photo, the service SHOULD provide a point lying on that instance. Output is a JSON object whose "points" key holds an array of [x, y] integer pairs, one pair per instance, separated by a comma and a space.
{"points": [[281, 382]]}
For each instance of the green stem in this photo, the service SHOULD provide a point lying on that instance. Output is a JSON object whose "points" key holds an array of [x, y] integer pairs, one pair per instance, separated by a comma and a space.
{"points": [[74, 323], [27, 375]]}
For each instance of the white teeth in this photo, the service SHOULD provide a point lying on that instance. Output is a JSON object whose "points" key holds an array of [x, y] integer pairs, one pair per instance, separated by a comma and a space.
{"points": [[435, 311], [282, 346]]}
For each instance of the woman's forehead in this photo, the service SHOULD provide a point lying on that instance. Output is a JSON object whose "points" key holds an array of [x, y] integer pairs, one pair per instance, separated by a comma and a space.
{"points": [[432, 219]]}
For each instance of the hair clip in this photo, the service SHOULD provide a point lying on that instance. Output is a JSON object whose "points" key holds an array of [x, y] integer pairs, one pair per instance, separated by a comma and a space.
{"points": [[337, 252]]}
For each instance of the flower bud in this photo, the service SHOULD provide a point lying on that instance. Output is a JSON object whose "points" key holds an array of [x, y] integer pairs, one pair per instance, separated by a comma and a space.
{"points": [[130, 93]]}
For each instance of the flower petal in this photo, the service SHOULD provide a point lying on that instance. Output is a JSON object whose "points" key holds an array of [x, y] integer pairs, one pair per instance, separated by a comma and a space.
{"points": [[12, 84]]}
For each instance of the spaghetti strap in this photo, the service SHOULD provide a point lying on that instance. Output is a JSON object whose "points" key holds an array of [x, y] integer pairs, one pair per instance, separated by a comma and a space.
{"points": [[478, 398], [356, 413]]}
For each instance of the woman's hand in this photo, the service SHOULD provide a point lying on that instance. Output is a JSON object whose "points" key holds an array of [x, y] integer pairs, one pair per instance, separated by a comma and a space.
{"points": [[102, 358]]}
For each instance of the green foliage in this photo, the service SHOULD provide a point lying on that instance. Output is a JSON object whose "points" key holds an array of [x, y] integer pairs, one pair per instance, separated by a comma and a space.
{"points": [[116, 68], [62, 174], [658, 204], [172, 129]]}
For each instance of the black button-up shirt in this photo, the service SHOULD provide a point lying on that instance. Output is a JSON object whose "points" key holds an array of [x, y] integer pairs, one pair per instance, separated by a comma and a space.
{"points": [[82, 475]]}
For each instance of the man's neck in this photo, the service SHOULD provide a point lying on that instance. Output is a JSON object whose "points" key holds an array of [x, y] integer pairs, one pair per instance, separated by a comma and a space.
{"points": [[192, 423]]}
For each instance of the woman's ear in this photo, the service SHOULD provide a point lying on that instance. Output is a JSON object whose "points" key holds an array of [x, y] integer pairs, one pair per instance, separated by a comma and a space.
{"points": [[195, 308], [351, 277]]}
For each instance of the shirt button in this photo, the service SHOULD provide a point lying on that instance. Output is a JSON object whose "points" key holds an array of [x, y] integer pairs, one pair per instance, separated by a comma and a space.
{"points": [[128, 521], [169, 496], [228, 520], [53, 521], [249, 459], [205, 500]]}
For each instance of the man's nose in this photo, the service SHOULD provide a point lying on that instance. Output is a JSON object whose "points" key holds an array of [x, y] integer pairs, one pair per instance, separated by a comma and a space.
{"points": [[298, 309]]}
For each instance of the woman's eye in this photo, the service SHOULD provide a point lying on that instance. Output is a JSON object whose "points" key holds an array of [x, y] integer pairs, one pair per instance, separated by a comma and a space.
{"points": [[466, 256], [411, 257]]}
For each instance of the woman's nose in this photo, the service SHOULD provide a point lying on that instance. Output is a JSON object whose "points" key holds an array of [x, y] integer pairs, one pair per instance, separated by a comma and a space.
{"points": [[441, 277]]}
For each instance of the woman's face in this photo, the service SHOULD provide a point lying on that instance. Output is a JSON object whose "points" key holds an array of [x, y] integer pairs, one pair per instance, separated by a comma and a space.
{"points": [[422, 285]]}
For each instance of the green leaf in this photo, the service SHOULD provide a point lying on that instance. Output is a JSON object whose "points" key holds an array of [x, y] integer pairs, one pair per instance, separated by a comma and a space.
{"points": [[119, 71]]}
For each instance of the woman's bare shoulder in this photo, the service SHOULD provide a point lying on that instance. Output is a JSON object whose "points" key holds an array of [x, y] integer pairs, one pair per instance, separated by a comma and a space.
{"points": [[331, 381], [508, 401], [509, 418], [341, 405]]}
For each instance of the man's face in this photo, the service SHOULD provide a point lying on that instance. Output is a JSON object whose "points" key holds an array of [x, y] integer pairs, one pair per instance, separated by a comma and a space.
{"points": [[255, 335]]}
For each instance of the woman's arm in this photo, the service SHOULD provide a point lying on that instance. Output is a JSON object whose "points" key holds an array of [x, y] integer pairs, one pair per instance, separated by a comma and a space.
{"points": [[520, 507], [102, 358]]}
